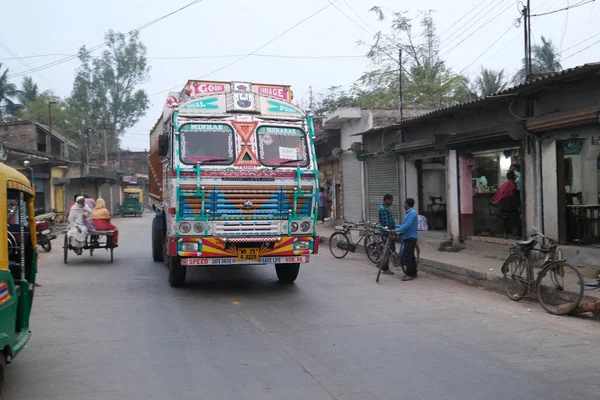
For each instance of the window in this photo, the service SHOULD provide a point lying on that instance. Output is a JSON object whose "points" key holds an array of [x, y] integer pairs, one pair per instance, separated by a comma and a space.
{"points": [[206, 144], [41, 141], [282, 146]]}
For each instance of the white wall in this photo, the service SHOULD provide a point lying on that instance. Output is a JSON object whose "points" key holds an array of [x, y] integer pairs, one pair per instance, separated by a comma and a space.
{"points": [[550, 189], [452, 201], [434, 181], [353, 127], [412, 183]]}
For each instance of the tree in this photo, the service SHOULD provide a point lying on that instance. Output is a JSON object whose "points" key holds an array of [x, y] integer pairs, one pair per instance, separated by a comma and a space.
{"points": [[490, 82], [63, 119], [29, 91], [427, 82], [544, 58], [105, 91], [7, 91]]}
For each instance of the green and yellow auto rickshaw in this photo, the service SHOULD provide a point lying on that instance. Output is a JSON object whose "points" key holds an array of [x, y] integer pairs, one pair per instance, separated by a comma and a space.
{"points": [[133, 202], [18, 263]]}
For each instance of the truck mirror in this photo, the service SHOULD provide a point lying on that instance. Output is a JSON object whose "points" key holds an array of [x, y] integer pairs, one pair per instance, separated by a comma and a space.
{"points": [[163, 145]]}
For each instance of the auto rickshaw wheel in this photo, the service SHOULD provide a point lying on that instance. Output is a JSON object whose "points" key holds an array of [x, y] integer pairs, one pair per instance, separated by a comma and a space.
{"points": [[66, 248], [2, 368]]}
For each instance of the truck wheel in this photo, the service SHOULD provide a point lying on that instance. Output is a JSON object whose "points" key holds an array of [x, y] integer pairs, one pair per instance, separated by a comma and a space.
{"points": [[157, 238], [287, 273], [2, 375], [176, 272]]}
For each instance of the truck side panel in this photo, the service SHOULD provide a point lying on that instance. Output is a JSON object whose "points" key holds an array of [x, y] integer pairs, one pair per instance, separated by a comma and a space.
{"points": [[155, 165]]}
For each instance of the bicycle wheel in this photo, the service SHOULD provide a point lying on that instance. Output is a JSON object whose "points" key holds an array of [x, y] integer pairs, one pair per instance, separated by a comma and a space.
{"points": [[560, 288], [514, 270], [374, 251], [339, 243], [369, 240], [383, 259]]}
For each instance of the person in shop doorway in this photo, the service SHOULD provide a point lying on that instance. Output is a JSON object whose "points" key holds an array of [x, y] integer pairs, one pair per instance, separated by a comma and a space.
{"points": [[386, 219], [408, 230], [508, 201], [479, 179], [516, 169], [322, 205]]}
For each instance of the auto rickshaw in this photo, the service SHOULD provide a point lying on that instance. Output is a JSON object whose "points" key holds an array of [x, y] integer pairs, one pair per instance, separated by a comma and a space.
{"points": [[133, 202], [18, 263]]}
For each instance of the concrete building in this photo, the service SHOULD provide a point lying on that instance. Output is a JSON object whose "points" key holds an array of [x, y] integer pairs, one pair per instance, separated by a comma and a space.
{"points": [[549, 126]]}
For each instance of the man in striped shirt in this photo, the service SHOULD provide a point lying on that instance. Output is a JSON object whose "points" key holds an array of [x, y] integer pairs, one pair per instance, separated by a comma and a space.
{"points": [[386, 219]]}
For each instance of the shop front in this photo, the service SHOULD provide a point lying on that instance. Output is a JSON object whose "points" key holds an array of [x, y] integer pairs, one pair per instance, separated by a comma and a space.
{"points": [[424, 163], [491, 176]]}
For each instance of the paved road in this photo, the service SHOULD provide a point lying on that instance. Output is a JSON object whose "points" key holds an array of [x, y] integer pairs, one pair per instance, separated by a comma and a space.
{"points": [[118, 331]]}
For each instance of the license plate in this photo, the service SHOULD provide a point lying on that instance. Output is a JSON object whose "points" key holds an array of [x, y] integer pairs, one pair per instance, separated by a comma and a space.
{"points": [[45, 231], [248, 254]]}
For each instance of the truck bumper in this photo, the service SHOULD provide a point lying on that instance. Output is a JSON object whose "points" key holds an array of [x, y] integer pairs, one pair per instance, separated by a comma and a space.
{"points": [[293, 247]]}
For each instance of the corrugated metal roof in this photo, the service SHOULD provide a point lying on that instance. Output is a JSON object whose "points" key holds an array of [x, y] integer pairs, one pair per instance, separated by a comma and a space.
{"points": [[537, 82]]}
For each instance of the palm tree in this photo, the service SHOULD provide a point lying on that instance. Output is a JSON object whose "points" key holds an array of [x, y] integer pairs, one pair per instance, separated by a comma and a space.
{"points": [[544, 58], [29, 91], [490, 81], [7, 91]]}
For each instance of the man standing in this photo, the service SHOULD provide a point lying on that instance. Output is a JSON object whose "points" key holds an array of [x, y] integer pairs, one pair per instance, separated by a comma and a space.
{"points": [[409, 236], [386, 219], [322, 205], [516, 169]]}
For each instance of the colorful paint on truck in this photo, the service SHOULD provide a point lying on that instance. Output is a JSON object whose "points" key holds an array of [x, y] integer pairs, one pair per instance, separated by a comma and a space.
{"points": [[234, 179]]}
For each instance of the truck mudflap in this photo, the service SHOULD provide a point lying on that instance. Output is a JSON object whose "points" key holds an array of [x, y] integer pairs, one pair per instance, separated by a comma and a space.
{"points": [[234, 261]]}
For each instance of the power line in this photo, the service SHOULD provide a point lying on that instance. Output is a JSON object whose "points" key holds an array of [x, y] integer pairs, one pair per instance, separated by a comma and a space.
{"points": [[476, 30], [583, 41], [22, 61], [479, 3], [97, 47], [486, 50], [256, 50], [258, 55], [579, 51], [467, 25], [581, 3], [36, 56]]}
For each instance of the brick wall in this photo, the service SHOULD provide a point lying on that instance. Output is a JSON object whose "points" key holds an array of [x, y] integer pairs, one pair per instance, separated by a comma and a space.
{"points": [[22, 135]]}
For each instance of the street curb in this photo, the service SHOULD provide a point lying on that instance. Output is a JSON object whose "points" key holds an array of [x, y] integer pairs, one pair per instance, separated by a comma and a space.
{"points": [[449, 271]]}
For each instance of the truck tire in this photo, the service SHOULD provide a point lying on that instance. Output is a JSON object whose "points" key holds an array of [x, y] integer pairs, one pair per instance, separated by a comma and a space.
{"points": [[157, 240], [2, 374], [287, 273], [176, 272]]}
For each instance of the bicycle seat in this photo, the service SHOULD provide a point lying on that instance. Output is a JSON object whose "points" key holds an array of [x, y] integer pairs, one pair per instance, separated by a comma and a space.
{"points": [[529, 242], [348, 226]]}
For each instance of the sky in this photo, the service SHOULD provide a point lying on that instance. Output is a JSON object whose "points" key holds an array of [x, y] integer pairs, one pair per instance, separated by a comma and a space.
{"points": [[214, 33]]}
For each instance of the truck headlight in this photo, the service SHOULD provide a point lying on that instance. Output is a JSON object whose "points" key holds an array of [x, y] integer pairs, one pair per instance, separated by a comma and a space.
{"points": [[185, 227], [305, 226], [189, 247], [199, 228], [294, 226], [302, 245]]}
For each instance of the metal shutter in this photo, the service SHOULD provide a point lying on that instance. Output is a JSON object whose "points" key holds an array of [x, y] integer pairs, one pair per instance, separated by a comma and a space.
{"points": [[351, 188], [382, 178]]}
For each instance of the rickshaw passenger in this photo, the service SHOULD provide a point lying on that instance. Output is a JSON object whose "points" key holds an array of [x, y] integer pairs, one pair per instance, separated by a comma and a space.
{"points": [[101, 220], [78, 230]]}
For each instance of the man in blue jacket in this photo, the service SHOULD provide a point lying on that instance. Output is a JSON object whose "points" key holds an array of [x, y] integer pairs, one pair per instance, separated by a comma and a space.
{"points": [[409, 235]]}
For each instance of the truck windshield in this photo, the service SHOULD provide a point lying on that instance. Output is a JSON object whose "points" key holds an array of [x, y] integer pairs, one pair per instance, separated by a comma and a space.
{"points": [[206, 144], [282, 146]]}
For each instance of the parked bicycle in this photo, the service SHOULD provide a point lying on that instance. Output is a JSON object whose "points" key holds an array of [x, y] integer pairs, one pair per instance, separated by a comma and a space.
{"points": [[559, 286], [384, 251], [341, 242]]}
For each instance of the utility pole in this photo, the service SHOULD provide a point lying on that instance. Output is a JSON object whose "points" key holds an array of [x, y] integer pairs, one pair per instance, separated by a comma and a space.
{"points": [[105, 144], [311, 101], [527, 39], [400, 102]]}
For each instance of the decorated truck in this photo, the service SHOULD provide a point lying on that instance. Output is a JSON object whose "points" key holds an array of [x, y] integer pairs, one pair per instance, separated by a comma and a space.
{"points": [[233, 179]]}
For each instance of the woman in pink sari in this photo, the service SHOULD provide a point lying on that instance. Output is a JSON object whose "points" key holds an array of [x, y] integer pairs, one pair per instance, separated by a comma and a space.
{"points": [[101, 220]]}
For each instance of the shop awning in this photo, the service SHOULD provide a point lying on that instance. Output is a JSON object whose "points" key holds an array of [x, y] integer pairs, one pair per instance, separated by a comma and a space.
{"points": [[489, 136], [564, 119]]}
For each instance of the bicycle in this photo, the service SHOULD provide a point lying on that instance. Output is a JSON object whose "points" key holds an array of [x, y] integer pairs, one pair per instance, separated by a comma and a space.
{"points": [[385, 251], [341, 243], [550, 292]]}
